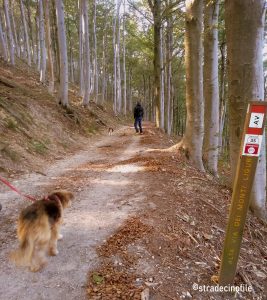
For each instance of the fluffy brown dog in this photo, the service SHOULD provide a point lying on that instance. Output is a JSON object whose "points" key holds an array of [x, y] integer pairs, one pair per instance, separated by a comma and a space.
{"points": [[38, 230]]}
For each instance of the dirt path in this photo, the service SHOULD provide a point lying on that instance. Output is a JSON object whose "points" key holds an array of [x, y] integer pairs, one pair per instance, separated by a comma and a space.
{"points": [[107, 190]]}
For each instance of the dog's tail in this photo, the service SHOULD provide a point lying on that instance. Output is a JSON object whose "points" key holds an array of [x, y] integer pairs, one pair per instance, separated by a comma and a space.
{"points": [[22, 256]]}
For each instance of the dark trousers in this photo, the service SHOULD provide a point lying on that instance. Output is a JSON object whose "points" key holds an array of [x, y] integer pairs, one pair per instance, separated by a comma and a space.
{"points": [[138, 122]]}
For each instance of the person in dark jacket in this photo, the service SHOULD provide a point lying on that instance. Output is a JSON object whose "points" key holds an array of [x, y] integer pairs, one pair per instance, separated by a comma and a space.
{"points": [[138, 116]]}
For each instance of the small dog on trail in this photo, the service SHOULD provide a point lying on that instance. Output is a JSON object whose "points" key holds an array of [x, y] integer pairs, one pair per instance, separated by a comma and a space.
{"points": [[38, 230], [110, 131]]}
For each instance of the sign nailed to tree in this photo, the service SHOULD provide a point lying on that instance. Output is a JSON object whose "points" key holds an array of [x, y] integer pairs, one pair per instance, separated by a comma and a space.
{"points": [[249, 152]]}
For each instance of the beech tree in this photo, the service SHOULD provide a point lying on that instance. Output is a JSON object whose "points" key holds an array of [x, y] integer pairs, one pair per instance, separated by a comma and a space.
{"points": [[50, 69], [211, 85], [155, 7], [42, 42], [193, 138], [244, 37], [26, 35], [86, 51], [11, 45], [63, 89], [3, 44]]}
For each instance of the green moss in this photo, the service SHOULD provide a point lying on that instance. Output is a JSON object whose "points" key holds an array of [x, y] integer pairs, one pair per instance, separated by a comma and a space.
{"points": [[11, 124], [39, 147]]}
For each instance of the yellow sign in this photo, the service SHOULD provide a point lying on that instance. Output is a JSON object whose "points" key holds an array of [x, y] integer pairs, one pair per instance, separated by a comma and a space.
{"points": [[245, 173]]}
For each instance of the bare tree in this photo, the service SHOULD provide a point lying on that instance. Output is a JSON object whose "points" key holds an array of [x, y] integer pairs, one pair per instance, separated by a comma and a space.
{"points": [[42, 42], [155, 7], [3, 45], [211, 85], [25, 30], [244, 37], [50, 68], [95, 55], [86, 53], [9, 34], [193, 138], [63, 91]]}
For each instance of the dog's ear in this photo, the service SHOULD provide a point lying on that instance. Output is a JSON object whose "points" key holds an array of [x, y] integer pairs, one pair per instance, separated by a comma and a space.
{"points": [[64, 196]]}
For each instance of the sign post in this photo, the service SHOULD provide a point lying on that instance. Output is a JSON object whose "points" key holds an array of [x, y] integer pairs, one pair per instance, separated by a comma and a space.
{"points": [[245, 172]]}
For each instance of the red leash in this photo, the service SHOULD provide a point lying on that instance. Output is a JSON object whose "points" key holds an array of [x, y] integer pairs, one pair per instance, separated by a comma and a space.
{"points": [[16, 190]]}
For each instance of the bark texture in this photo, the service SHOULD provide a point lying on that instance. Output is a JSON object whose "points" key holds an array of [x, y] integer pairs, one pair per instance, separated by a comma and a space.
{"points": [[244, 36], [63, 92], [193, 138], [211, 85]]}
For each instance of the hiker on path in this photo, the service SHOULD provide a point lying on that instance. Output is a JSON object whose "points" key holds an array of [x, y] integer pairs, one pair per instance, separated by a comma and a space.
{"points": [[138, 116]]}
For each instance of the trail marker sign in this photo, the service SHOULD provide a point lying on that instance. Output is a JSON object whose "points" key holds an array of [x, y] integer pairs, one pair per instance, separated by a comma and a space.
{"points": [[252, 140]]}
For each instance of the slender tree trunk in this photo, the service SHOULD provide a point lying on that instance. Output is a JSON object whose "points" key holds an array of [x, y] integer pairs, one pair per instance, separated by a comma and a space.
{"points": [[169, 50], [95, 55], [3, 45], [162, 81], [50, 68], [222, 91], [104, 79], [115, 63], [38, 45], [211, 86], [86, 97], [156, 11], [193, 138], [42, 43], [119, 106], [31, 38], [26, 35], [9, 34], [63, 91], [14, 29], [244, 36], [81, 50], [124, 63]]}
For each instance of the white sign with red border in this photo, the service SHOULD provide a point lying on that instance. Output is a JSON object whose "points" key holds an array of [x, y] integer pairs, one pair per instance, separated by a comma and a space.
{"points": [[256, 120], [252, 145]]}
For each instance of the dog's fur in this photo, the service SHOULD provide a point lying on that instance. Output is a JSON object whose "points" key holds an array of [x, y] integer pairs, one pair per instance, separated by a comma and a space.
{"points": [[110, 131], [38, 230]]}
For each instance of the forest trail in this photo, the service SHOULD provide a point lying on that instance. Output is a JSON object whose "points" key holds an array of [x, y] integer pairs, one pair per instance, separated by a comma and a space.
{"points": [[106, 191], [143, 218]]}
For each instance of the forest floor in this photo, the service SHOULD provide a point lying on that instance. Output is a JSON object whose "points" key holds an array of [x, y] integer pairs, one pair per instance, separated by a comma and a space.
{"points": [[144, 224], [143, 221]]}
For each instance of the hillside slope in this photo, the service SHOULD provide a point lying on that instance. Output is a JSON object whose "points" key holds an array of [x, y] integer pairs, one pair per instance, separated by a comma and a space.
{"points": [[34, 128]]}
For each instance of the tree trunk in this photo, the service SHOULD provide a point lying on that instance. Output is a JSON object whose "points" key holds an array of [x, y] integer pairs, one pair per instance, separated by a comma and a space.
{"points": [[222, 91], [63, 90], [9, 34], [86, 96], [14, 29], [169, 51], [211, 86], [95, 55], [162, 81], [50, 68], [31, 38], [193, 138], [156, 11], [26, 35], [115, 63], [81, 50], [124, 63], [3, 43], [118, 51], [104, 68], [42, 42], [244, 36]]}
